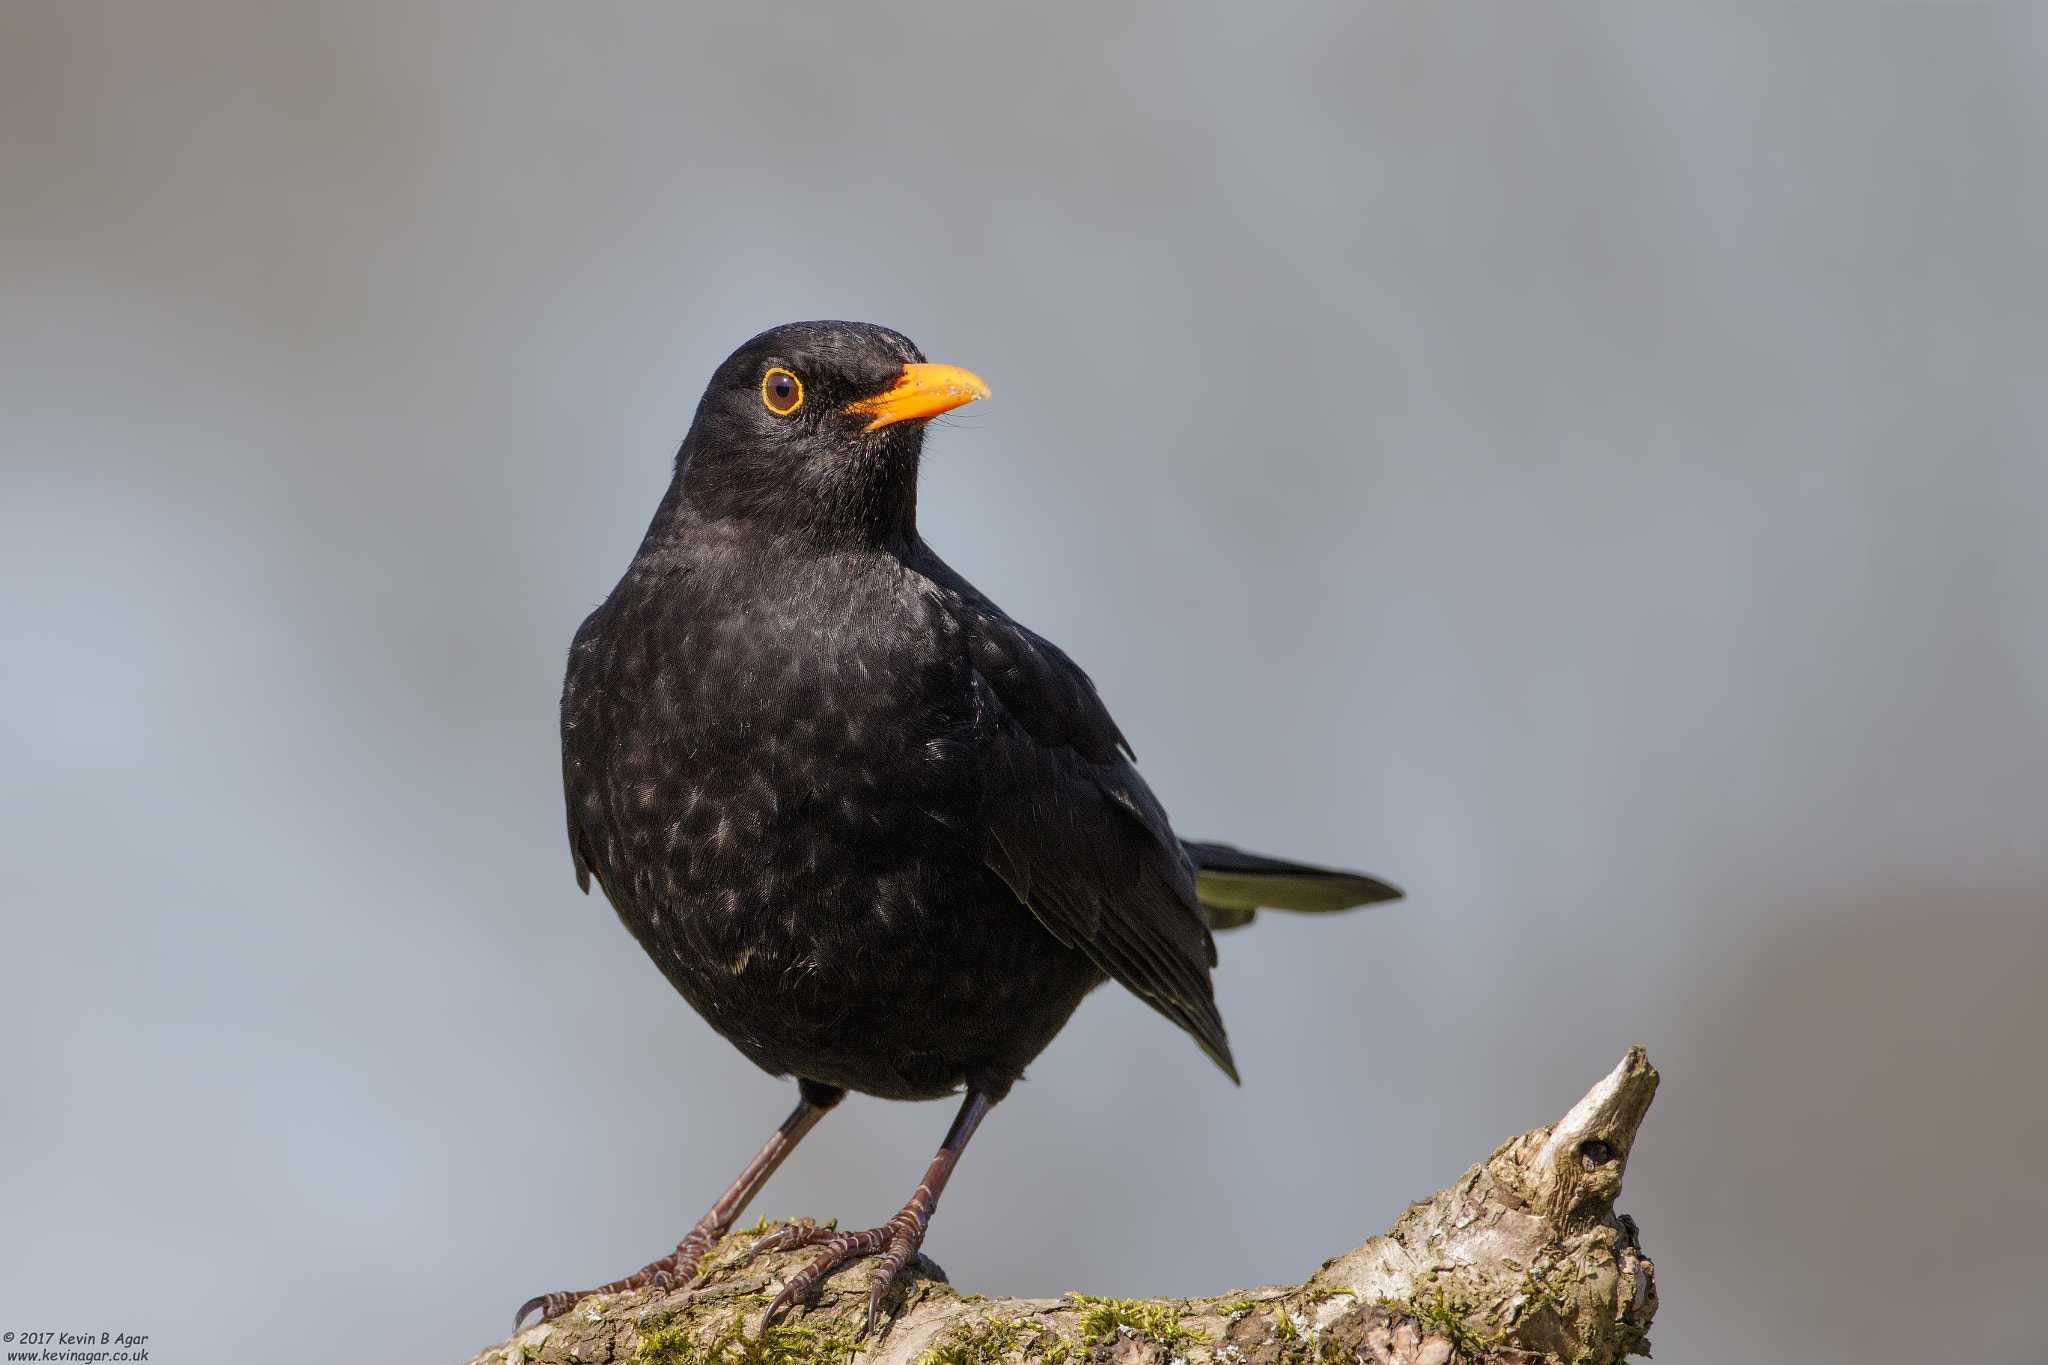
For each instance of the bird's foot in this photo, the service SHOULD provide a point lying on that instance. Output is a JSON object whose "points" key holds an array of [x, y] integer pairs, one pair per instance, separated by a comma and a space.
{"points": [[797, 1232], [896, 1243], [677, 1268]]}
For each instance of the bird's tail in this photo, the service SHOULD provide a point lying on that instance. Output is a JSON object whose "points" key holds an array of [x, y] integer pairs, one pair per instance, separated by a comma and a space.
{"points": [[1233, 885]]}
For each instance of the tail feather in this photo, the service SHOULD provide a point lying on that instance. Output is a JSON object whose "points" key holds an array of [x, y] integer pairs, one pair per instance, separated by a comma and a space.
{"points": [[1234, 885]]}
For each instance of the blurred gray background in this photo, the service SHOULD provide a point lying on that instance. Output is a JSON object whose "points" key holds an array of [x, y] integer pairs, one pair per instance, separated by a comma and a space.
{"points": [[1584, 465]]}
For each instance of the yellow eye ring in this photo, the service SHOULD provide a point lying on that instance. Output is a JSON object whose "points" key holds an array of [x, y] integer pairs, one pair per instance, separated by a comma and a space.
{"points": [[782, 392]]}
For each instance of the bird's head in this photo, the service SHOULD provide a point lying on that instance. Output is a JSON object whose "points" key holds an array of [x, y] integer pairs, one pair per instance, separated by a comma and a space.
{"points": [[815, 428]]}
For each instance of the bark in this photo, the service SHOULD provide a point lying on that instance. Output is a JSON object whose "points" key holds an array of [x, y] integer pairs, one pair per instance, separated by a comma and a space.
{"points": [[1523, 1260]]}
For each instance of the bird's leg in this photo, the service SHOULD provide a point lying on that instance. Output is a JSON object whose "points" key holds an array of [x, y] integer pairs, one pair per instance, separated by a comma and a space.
{"points": [[898, 1240], [680, 1265]]}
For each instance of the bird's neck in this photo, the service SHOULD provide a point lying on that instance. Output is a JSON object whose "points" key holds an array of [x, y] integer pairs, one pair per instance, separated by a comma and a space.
{"points": [[874, 507]]}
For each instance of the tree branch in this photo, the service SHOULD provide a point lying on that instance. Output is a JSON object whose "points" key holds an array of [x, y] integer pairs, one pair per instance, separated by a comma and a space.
{"points": [[1522, 1261]]}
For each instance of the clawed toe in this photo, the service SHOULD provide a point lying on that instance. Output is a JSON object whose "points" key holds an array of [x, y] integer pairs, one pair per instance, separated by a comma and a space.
{"points": [[797, 1232], [899, 1240], [552, 1306], [670, 1272], [895, 1243]]}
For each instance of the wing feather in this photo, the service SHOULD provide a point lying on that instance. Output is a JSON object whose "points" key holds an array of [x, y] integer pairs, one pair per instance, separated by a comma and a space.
{"points": [[1072, 828]]}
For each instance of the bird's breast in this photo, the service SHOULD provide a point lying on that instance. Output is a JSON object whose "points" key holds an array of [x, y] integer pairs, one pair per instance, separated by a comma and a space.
{"points": [[778, 750]]}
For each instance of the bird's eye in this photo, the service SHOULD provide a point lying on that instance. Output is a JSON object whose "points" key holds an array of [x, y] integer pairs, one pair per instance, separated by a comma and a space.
{"points": [[782, 391]]}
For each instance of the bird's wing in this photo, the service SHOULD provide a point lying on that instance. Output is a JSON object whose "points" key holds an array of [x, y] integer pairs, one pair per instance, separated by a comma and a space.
{"points": [[576, 701], [1073, 829]]}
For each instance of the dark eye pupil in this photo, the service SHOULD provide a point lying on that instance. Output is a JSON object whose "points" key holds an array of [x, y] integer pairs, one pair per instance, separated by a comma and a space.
{"points": [[783, 389]]}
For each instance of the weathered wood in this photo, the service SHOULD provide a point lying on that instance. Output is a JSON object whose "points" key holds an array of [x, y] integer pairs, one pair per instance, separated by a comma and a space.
{"points": [[1523, 1260]]}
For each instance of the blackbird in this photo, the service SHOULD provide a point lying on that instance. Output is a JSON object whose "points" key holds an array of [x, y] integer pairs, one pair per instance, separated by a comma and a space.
{"points": [[882, 837]]}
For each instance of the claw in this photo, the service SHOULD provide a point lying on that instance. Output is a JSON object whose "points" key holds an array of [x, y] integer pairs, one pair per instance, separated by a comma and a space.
{"points": [[545, 1302], [896, 1241], [800, 1286], [665, 1274], [901, 1250], [681, 1266], [781, 1302]]}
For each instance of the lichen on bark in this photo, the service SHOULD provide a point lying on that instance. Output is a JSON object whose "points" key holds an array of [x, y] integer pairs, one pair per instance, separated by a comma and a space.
{"points": [[1523, 1260]]}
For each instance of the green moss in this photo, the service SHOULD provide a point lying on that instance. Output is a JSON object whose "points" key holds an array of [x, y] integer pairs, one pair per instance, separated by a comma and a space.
{"points": [[1447, 1316], [1104, 1316], [1540, 1287], [732, 1344], [975, 1343], [668, 1346], [1553, 1289], [988, 1341]]}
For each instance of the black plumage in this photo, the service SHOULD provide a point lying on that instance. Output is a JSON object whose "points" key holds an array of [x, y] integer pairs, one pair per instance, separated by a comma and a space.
{"points": [[881, 836]]}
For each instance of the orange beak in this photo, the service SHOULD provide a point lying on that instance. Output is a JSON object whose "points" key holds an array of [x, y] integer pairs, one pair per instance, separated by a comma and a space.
{"points": [[923, 392]]}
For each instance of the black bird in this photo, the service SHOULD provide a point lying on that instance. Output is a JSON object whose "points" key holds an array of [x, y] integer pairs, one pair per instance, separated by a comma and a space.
{"points": [[882, 837]]}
